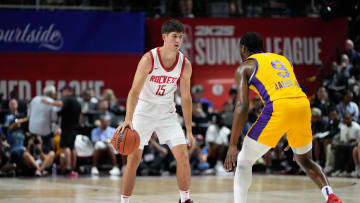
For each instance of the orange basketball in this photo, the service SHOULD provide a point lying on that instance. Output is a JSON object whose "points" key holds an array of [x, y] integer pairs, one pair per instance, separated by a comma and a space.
{"points": [[127, 142]]}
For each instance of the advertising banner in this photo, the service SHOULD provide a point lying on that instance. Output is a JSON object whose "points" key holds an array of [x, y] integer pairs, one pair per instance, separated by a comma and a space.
{"points": [[72, 31], [212, 45]]}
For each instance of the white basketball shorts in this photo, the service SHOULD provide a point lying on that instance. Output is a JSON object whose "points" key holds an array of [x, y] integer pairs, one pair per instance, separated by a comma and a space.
{"points": [[159, 118]]}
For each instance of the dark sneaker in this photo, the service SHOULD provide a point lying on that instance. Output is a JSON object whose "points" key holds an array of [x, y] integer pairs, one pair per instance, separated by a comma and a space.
{"points": [[187, 201]]}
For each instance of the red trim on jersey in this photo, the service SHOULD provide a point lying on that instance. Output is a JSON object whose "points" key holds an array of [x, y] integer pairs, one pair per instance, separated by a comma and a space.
{"points": [[183, 65], [162, 65], [152, 59]]}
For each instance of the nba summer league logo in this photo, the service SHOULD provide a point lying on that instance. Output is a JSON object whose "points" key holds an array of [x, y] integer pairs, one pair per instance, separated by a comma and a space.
{"points": [[44, 36]]}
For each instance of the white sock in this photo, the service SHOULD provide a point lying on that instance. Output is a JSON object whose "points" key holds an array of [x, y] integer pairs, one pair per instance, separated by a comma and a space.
{"points": [[125, 199], [184, 195], [326, 191]]}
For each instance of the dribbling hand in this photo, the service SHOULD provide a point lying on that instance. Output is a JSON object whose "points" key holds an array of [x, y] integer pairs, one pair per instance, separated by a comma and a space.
{"points": [[231, 156], [120, 129]]}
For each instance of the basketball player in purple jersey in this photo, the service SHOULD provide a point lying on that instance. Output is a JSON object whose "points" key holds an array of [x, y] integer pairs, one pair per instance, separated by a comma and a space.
{"points": [[286, 111]]}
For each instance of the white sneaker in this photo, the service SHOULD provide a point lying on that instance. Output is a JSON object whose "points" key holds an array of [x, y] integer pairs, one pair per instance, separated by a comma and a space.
{"points": [[354, 174], [115, 171], [219, 168], [94, 171]]}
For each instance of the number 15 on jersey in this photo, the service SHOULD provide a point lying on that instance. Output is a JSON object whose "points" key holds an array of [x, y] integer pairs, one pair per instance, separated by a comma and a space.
{"points": [[161, 90]]}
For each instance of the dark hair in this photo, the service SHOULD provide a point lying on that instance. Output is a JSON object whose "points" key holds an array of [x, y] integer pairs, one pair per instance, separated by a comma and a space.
{"points": [[253, 42], [172, 26]]}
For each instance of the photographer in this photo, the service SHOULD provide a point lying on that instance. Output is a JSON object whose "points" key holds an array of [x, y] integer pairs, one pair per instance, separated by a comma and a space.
{"points": [[6, 167], [35, 147]]}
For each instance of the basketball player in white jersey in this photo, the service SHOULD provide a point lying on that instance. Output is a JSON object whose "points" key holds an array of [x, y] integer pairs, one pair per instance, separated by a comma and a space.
{"points": [[150, 107]]}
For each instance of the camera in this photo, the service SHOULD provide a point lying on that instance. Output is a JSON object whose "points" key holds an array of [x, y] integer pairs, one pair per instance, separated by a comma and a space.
{"points": [[36, 139]]}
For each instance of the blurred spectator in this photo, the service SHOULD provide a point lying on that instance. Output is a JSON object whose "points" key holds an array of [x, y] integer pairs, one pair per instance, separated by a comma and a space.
{"points": [[198, 92], [199, 157], [336, 82], [217, 141], [59, 152], [104, 110], [186, 8], [318, 126], [227, 114], [70, 119], [154, 156], [345, 65], [200, 119], [100, 137], [326, 141], [13, 112], [113, 106], [89, 107], [41, 119], [233, 94], [343, 145], [322, 101], [353, 55], [347, 106], [7, 168]]}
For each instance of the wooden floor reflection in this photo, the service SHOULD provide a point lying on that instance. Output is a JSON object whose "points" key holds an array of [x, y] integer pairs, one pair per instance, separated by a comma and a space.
{"points": [[210, 189]]}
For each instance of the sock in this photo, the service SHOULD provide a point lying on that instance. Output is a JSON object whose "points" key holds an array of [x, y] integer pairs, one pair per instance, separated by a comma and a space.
{"points": [[125, 199], [184, 195], [326, 191]]}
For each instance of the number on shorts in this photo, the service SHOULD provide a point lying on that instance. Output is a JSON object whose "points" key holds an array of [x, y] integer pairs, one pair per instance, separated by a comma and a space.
{"points": [[275, 63]]}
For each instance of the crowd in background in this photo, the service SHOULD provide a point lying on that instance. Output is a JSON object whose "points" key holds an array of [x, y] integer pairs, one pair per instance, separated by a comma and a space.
{"points": [[70, 135]]}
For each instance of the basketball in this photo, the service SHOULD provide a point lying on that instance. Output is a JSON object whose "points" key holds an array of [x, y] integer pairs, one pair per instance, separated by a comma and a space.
{"points": [[127, 142]]}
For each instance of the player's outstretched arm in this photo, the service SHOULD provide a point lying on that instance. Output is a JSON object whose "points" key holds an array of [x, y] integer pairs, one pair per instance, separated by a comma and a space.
{"points": [[142, 72], [186, 100], [240, 115]]}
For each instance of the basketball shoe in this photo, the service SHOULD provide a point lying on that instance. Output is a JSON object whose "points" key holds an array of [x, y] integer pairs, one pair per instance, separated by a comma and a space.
{"points": [[333, 199], [190, 201]]}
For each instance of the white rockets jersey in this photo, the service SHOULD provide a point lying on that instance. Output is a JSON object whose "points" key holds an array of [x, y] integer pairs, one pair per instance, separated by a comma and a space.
{"points": [[161, 83]]}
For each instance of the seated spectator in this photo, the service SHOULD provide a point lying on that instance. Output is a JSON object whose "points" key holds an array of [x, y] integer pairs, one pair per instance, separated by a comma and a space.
{"points": [[332, 130], [59, 152], [318, 126], [20, 155], [7, 168], [89, 107], [199, 157], [200, 119], [347, 106], [336, 83], [227, 114], [104, 110], [322, 101], [198, 92], [154, 156], [100, 136], [345, 65], [344, 144], [113, 105], [353, 55], [217, 141]]}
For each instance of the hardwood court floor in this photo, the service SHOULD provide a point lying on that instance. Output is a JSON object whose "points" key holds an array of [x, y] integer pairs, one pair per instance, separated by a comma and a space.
{"points": [[204, 189]]}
